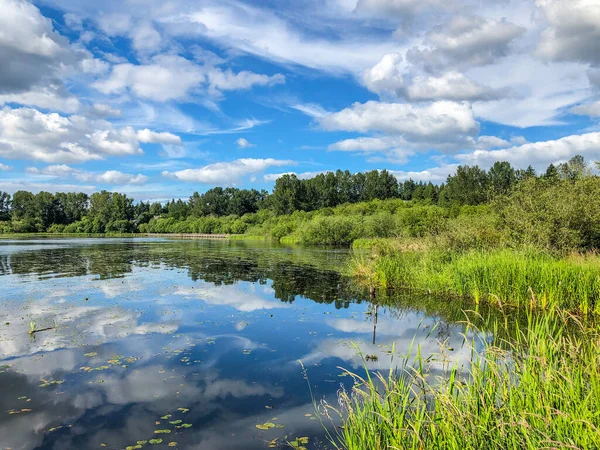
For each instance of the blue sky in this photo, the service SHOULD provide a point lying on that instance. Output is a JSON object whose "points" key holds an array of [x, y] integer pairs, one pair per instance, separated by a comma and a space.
{"points": [[159, 99]]}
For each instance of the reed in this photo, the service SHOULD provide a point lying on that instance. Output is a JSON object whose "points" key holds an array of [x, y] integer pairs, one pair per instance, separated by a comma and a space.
{"points": [[517, 278], [540, 389]]}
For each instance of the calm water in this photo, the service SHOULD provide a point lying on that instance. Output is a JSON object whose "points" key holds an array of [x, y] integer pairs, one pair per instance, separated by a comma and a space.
{"points": [[198, 338]]}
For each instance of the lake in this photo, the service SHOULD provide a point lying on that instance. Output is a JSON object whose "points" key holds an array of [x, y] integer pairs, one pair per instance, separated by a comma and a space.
{"points": [[189, 344]]}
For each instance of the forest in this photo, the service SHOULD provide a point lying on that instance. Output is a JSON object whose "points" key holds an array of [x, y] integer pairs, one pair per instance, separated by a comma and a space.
{"points": [[238, 211]]}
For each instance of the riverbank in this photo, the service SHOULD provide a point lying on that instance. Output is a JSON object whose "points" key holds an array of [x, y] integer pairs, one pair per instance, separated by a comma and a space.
{"points": [[540, 389], [520, 278]]}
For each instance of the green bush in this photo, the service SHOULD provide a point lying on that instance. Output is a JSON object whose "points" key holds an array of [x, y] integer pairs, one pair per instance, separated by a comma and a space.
{"points": [[333, 230], [56, 228]]}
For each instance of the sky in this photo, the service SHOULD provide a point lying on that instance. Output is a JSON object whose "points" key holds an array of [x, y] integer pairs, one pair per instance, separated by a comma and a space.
{"points": [[161, 98]]}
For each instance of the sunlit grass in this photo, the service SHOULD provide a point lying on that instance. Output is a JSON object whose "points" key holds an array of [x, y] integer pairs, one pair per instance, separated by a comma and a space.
{"points": [[506, 277], [538, 390]]}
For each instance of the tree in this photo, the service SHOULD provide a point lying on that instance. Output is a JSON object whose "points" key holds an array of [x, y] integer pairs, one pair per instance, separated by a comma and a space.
{"points": [[4, 206], [574, 169], [551, 172], [45, 209], [501, 178], [467, 187], [288, 194]]}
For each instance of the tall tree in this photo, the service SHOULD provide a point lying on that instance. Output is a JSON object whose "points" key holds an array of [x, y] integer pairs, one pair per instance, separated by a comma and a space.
{"points": [[468, 186], [501, 178], [4, 206]]}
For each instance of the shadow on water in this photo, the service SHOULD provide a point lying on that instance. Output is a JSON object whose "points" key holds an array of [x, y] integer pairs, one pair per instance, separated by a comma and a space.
{"points": [[190, 344]]}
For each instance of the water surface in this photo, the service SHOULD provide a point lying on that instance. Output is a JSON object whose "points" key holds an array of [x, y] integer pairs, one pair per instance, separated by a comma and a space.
{"points": [[199, 340]]}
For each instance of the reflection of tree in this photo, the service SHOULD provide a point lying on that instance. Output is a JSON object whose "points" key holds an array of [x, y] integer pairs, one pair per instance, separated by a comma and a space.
{"points": [[107, 261], [4, 265], [300, 272]]}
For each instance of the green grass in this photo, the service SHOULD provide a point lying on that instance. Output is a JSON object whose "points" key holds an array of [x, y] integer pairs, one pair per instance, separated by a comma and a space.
{"points": [[538, 390], [503, 277]]}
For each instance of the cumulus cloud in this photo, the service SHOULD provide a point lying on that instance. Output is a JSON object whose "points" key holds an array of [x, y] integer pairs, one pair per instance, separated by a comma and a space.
{"points": [[449, 86], [387, 76], [439, 122], [228, 173], [27, 133], [173, 77], [34, 58], [109, 177], [538, 154], [166, 77], [589, 109], [466, 41], [243, 143], [53, 96], [396, 149], [573, 31], [4, 167], [391, 76]]}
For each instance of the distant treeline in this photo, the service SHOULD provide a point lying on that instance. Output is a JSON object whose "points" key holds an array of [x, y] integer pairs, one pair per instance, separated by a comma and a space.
{"points": [[232, 210]]}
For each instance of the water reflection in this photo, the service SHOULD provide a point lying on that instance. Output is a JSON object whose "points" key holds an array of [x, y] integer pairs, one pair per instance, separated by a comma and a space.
{"points": [[200, 339]]}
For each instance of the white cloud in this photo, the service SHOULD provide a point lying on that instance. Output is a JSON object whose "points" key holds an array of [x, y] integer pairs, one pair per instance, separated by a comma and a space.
{"points": [[116, 177], [450, 86], [492, 142], [145, 38], [301, 176], [153, 137], [243, 143], [387, 75], [538, 154], [398, 8], [391, 76], [311, 109], [589, 109], [435, 174], [52, 96], [109, 177], [27, 133], [227, 172], [57, 170], [167, 77], [573, 31], [4, 167], [226, 80], [440, 122], [172, 77], [34, 57], [466, 41], [540, 91], [366, 144], [101, 110], [260, 32]]}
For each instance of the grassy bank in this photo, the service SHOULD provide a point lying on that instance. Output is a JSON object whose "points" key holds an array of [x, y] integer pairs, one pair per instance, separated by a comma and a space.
{"points": [[503, 277], [540, 389]]}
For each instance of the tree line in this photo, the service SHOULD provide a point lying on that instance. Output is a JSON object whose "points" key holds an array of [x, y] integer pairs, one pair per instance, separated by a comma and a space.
{"points": [[110, 212]]}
